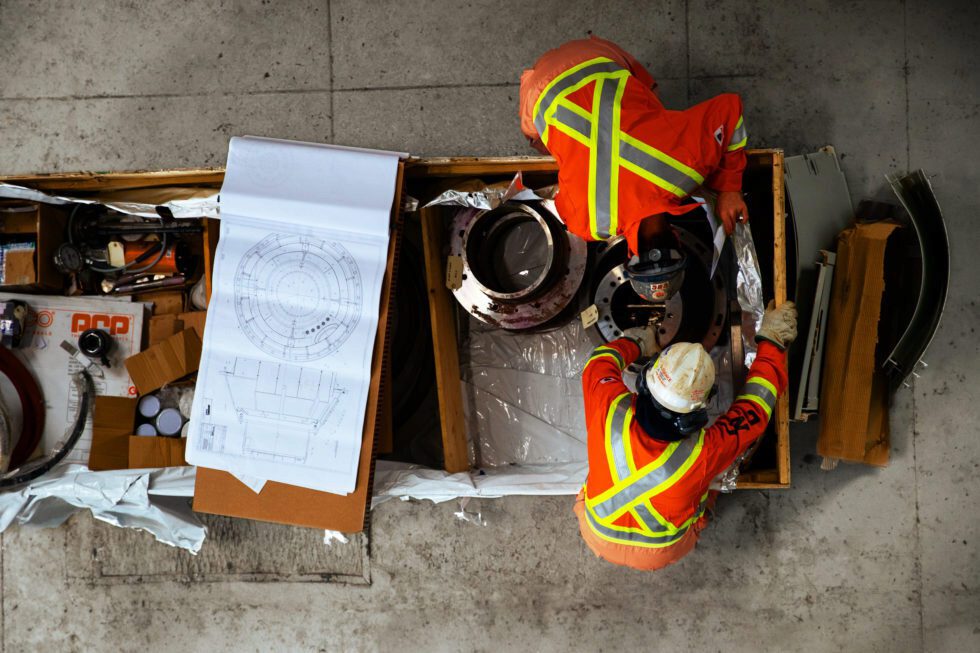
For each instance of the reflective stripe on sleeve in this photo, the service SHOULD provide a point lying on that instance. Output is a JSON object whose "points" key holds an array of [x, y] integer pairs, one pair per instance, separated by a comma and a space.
{"points": [[760, 392], [739, 137], [617, 428], [599, 352]]}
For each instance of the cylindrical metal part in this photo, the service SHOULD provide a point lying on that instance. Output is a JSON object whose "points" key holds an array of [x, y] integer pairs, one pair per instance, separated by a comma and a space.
{"points": [[169, 422]]}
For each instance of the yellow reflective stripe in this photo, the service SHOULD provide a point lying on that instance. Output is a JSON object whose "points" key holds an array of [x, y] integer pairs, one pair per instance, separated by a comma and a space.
{"points": [[652, 178], [627, 444], [593, 160], [759, 401], [568, 131], [740, 121], [614, 149], [610, 458], [559, 78], [664, 157], [629, 481], [673, 478], [574, 108], [764, 383], [549, 111], [605, 354], [631, 537], [736, 146]]}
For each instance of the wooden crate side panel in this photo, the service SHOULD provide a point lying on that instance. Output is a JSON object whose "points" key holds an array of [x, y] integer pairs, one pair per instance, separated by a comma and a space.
{"points": [[441, 313]]}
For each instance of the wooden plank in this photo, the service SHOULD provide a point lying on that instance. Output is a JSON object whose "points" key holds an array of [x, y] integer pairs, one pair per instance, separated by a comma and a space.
{"points": [[212, 228], [454, 443], [779, 283], [106, 181], [469, 166]]}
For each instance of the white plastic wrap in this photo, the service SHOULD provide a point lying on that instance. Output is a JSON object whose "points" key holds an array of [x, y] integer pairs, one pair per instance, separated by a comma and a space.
{"points": [[153, 500]]}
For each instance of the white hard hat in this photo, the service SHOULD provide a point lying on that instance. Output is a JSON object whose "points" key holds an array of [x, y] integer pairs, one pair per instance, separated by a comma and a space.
{"points": [[682, 377]]}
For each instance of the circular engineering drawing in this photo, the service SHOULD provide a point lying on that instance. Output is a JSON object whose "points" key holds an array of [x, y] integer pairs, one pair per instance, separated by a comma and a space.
{"points": [[297, 298]]}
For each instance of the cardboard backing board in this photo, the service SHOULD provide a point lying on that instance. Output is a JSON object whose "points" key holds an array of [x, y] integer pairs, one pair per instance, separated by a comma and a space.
{"points": [[221, 493], [33, 271], [857, 428], [148, 452]]}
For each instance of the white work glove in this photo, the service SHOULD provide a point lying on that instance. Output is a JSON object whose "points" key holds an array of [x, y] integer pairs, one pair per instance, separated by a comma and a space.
{"points": [[778, 325], [645, 338]]}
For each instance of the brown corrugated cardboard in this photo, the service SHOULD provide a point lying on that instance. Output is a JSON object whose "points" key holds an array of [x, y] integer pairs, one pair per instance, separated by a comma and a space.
{"points": [[164, 326], [113, 419], [854, 426], [221, 493], [46, 224], [154, 451], [172, 359]]}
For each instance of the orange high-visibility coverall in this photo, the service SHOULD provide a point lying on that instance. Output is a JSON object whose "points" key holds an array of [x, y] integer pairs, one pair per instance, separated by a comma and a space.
{"points": [[619, 151], [680, 501]]}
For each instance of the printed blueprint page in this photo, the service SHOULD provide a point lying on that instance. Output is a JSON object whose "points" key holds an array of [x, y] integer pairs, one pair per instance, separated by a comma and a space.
{"points": [[285, 370]]}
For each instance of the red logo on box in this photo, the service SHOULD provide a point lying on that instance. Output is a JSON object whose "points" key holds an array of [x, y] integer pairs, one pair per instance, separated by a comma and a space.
{"points": [[115, 325]]}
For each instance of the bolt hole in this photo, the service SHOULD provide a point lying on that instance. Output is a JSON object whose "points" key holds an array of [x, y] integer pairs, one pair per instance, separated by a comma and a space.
{"points": [[461, 233], [612, 284], [605, 300], [464, 277], [663, 331]]}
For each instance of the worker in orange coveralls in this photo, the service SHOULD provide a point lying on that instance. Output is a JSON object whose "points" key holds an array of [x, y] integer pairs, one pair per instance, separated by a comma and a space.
{"points": [[625, 163], [652, 455]]}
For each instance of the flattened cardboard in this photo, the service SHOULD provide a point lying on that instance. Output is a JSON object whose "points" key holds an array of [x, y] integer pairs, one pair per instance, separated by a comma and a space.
{"points": [[18, 268], [147, 452], [113, 419], [220, 493], [164, 326], [854, 425], [172, 359]]}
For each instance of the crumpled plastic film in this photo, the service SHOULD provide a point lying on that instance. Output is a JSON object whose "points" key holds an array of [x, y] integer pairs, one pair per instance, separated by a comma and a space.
{"points": [[153, 500], [522, 395], [749, 288], [490, 197]]}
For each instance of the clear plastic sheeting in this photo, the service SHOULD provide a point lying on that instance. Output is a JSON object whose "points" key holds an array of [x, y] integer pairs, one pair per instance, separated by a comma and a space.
{"points": [[748, 286], [153, 500], [522, 394], [486, 198]]}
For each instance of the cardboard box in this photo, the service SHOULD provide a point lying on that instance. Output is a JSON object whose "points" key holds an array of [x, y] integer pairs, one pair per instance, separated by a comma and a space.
{"points": [[44, 224], [857, 428], [114, 446]]}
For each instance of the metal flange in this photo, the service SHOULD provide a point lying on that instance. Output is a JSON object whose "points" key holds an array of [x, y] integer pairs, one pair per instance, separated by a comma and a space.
{"points": [[521, 267]]}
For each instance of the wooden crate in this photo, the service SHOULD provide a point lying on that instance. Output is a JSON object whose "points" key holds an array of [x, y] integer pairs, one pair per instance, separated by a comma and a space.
{"points": [[428, 176], [430, 173]]}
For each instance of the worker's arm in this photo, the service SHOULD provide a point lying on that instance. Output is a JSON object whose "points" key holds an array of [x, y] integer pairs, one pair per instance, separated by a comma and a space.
{"points": [[602, 379], [726, 178], [749, 415]]}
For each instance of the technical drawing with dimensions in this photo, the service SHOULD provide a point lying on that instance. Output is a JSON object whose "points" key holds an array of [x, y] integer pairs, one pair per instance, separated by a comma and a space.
{"points": [[286, 363]]}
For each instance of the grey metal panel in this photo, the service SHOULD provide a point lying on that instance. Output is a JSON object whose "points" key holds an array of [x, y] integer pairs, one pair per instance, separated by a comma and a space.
{"points": [[821, 207]]}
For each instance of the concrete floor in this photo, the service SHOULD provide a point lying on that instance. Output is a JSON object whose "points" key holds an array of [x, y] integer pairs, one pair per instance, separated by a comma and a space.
{"points": [[858, 559]]}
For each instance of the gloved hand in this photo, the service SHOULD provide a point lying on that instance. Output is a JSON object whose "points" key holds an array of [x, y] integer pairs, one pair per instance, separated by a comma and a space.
{"points": [[778, 325], [731, 208], [646, 338]]}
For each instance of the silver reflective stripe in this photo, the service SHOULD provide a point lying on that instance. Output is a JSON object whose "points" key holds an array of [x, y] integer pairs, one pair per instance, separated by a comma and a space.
{"points": [[609, 350], [602, 177], [567, 82], [573, 121], [762, 392], [739, 135], [646, 514], [629, 536], [655, 166], [615, 435], [648, 480]]}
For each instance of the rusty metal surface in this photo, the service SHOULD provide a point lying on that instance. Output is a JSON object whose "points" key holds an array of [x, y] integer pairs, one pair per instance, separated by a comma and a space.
{"points": [[530, 307]]}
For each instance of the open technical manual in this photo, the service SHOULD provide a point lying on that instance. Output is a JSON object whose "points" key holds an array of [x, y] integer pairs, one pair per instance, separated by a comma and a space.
{"points": [[285, 369]]}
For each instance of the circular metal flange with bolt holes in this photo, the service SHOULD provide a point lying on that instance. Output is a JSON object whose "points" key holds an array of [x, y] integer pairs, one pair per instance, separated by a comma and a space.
{"points": [[696, 313], [521, 267]]}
